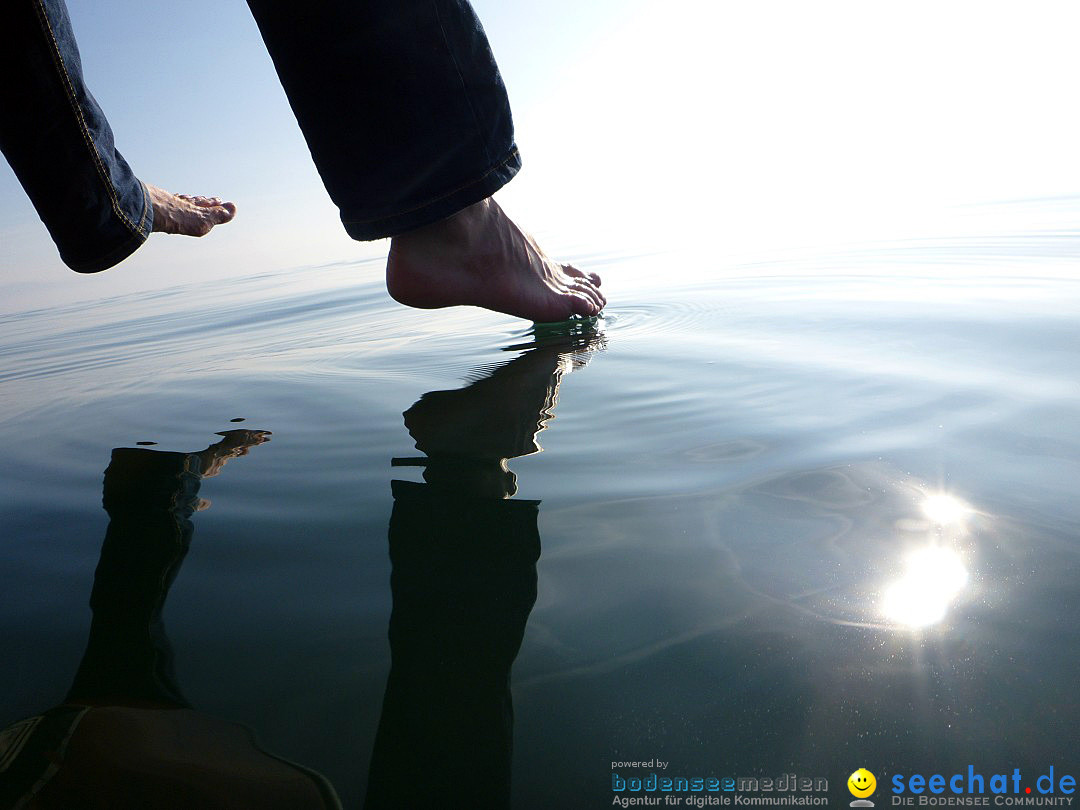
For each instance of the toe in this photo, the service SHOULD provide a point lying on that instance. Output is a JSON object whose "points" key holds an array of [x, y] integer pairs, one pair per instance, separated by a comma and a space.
{"points": [[200, 201], [587, 301], [204, 220], [570, 270], [584, 305], [583, 287], [219, 214]]}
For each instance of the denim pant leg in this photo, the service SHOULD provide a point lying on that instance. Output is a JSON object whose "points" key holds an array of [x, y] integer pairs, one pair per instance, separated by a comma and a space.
{"points": [[56, 138], [401, 104]]}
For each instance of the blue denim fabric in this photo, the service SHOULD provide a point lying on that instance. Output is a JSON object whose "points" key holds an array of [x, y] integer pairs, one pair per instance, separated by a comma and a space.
{"points": [[57, 140], [401, 103]]}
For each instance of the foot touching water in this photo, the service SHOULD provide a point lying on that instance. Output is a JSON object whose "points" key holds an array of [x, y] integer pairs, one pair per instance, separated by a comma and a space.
{"points": [[480, 257]]}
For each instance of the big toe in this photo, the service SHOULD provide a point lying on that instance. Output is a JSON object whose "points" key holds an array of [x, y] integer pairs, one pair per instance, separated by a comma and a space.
{"points": [[217, 214], [570, 270], [207, 218]]}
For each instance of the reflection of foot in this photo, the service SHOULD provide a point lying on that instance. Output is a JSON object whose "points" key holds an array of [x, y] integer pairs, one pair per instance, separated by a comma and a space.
{"points": [[495, 418], [480, 257], [190, 216], [235, 443], [499, 415]]}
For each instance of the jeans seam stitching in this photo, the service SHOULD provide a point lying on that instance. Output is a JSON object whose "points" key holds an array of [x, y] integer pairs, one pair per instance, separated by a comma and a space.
{"points": [[145, 211], [464, 87], [83, 129], [426, 203]]}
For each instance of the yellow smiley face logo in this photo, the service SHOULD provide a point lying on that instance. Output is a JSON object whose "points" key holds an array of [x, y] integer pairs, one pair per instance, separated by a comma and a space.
{"points": [[861, 783]]}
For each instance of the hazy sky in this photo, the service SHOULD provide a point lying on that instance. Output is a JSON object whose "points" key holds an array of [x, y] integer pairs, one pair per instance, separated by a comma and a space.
{"points": [[739, 125]]}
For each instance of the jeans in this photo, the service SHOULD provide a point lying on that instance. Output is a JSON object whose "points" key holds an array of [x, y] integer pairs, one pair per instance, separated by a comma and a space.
{"points": [[400, 102], [57, 140]]}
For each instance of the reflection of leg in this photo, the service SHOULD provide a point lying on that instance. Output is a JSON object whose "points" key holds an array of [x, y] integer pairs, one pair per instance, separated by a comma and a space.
{"points": [[149, 496], [464, 581], [57, 140]]}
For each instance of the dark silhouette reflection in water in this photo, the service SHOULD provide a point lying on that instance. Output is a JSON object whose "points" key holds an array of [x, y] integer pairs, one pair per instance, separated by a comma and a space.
{"points": [[464, 581], [125, 736]]}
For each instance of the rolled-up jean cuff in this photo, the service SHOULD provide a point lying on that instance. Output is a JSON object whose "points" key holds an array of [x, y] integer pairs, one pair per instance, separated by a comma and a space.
{"points": [[110, 259], [439, 208], [115, 242]]}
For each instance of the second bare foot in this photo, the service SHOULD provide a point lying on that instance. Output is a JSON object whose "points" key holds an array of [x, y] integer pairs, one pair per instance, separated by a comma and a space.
{"points": [[187, 215]]}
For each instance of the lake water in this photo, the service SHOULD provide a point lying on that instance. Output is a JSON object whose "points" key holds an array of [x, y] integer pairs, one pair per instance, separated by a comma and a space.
{"points": [[796, 515]]}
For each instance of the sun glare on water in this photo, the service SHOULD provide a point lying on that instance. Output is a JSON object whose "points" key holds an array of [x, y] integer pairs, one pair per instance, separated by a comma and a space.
{"points": [[933, 577], [945, 510]]}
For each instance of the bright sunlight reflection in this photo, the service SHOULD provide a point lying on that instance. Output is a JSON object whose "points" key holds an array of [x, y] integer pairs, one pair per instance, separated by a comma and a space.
{"points": [[932, 578], [945, 510]]}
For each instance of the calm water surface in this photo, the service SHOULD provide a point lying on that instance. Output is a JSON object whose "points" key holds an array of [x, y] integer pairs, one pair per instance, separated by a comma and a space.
{"points": [[813, 515]]}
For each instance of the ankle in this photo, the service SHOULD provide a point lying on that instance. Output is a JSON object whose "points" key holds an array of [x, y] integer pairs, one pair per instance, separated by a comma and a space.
{"points": [[456, 231]]}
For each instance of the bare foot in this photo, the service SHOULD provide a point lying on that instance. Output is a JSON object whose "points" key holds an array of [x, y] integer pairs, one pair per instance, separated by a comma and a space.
{"points": [[187, 215], [480, 257]]}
